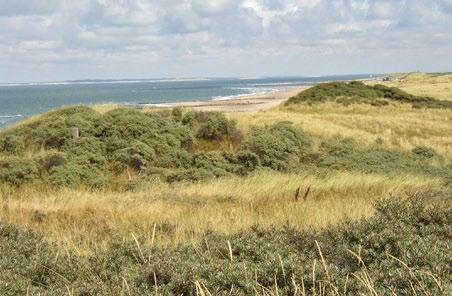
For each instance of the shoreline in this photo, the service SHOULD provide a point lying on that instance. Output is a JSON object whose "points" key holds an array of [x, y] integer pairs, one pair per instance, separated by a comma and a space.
{"points": [[242, 103]]}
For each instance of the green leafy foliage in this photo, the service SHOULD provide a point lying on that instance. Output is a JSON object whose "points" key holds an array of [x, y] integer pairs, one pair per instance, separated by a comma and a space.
{"points": [[17, 171], [356, 92], [12, 144], [347, 155], [137, 156], [172, 146], [215, 126], [402, 249], [280, 146], [424, 152], [121, 140]]}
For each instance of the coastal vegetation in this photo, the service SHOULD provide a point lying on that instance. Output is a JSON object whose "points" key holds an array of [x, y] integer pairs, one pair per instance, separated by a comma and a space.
{"points": [[343, 190], [356, 92], [401, 249]]}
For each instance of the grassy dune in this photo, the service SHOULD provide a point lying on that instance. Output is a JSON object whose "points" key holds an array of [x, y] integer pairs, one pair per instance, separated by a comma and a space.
{"points": [[435, 85], [357, 154], [393, 127]]}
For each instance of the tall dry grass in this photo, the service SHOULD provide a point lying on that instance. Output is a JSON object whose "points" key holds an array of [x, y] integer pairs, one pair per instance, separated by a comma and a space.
{"points": [[394, 127], [422, 84], [172, 214]]}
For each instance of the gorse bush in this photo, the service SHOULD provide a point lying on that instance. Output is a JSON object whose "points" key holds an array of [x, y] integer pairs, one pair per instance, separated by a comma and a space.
{"points": [[346, 155], [12, 144], [280, 146], [356, 92], [423, 151], [120, 140], [403, 249], [214, 126], [17, 171], [188, 146], [137, 156]]}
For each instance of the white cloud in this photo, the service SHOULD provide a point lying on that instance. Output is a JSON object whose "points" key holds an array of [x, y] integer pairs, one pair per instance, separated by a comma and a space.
{"points": [[159, 37]]}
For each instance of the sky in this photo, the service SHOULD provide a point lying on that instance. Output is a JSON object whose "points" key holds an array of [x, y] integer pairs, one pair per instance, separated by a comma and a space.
{"points": [[54, 40]]}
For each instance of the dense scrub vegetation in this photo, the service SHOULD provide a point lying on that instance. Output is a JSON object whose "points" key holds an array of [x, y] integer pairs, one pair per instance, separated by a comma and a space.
{"points": [[122, 140], [403, 249], [356, 92], [345, 155], [126, 146]]}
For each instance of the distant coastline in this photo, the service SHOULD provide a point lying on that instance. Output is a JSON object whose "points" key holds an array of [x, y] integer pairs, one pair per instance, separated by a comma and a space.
{"points": [[22, 100]]}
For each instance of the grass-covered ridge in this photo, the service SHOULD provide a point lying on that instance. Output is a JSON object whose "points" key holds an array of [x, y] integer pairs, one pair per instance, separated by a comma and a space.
{"points": [[356, 92]]}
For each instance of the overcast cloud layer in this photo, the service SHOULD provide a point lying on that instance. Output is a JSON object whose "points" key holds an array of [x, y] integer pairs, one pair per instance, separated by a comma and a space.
{"points": [[74, 39]]}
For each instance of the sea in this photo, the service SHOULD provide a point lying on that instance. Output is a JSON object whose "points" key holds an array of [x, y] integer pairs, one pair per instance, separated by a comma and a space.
{"points": [[21, 100]]}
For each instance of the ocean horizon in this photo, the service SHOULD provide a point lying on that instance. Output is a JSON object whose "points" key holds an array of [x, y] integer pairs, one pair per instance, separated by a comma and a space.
{"points": [[19, 101]]}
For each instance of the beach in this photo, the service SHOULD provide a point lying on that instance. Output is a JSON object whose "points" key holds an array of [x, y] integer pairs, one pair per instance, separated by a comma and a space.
{"points": [[244, 103]]}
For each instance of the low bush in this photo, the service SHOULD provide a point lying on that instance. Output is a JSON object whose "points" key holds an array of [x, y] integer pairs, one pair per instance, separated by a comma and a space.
{"points": [[189, 175], [53, 130], [356, 92], [347, 155], [215, 126], [424, 152], [51, 160], [76, 175], [110, 143], [137, 156], [280, 146], [403, 249], [12, 145], [247, 160], [16, 171]]}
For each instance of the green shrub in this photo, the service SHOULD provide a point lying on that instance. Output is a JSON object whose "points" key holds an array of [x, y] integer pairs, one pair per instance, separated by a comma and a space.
{"points": [[66, 175], [424, 152], [123, 137], [76, 174], [215, 126], [11, 144], [86, 151], [177, 113], [215, 162], [163, 143], [169, 139], [347, 155], [17, 171], [51, 160], [279, 146], [356, 92], [190, 175], [189, 118], [248, 161], [53, 130], [137, 156], [403, 249]]}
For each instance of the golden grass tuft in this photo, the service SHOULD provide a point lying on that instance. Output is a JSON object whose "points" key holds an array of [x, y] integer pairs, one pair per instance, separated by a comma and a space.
{"points": [[393, 127], [84, 220]]}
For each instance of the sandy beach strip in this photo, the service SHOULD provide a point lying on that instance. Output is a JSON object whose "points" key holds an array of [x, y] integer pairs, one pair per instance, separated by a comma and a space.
{"points": [[245, 103]]}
